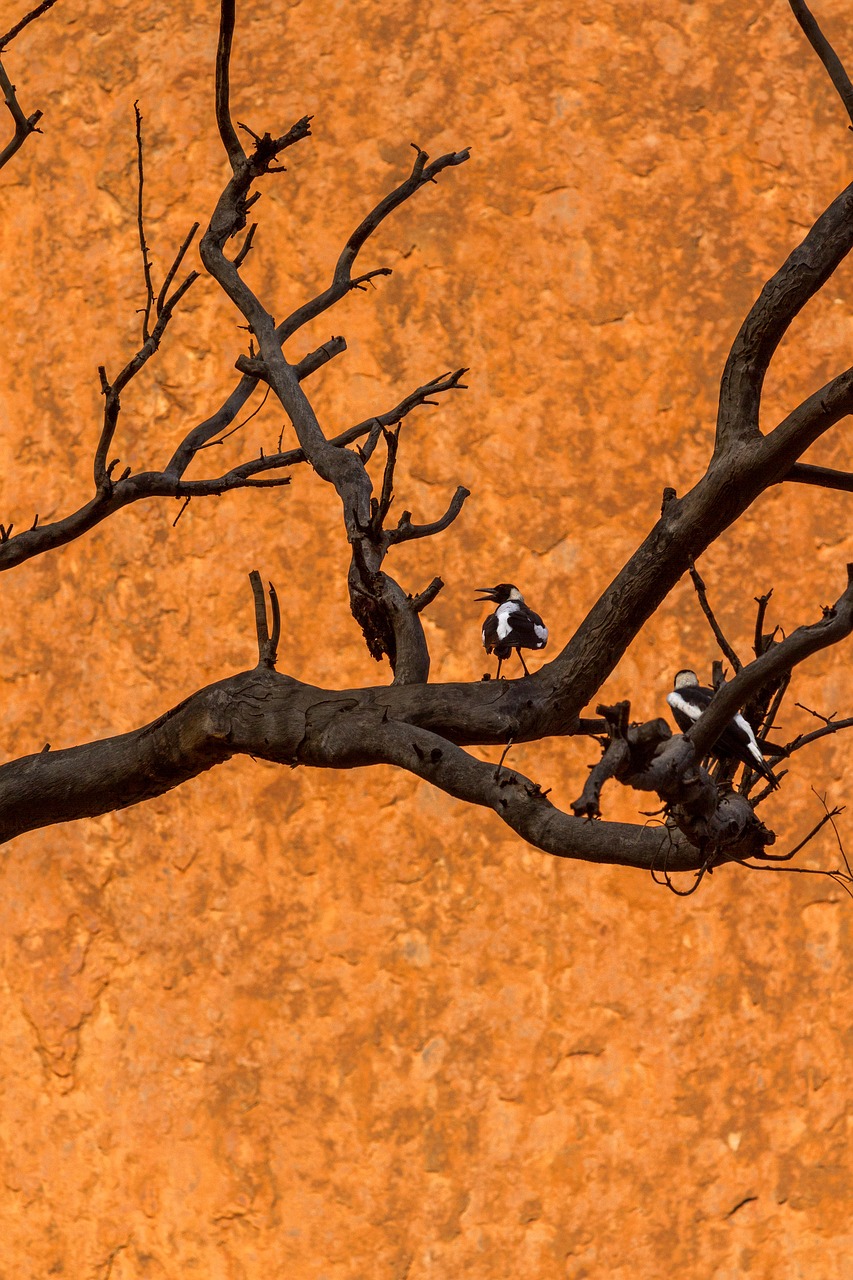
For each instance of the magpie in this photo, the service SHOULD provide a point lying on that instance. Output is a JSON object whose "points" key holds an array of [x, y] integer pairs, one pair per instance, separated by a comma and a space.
{"points": [[689, 699], [512, 625]]}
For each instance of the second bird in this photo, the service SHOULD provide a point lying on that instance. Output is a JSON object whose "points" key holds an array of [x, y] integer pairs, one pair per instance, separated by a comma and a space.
{"points": [[512, 625], [737, 741]]}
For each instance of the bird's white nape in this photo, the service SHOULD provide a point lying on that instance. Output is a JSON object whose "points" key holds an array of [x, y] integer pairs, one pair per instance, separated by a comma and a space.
{"points": [[685, 678]]}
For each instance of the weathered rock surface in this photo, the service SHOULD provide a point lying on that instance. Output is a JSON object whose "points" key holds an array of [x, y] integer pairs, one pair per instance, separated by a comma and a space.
{"points": [[287, 1024]]}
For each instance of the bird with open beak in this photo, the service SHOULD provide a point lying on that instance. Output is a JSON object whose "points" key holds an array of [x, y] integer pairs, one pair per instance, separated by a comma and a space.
{"points": [[513, 625]]}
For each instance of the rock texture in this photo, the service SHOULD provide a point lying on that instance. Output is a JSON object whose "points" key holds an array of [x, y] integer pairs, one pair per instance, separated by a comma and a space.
{"points": [[339, 1027]]}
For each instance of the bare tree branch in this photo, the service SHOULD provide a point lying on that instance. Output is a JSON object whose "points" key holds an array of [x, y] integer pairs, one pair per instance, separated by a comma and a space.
{"points": [[801, 276], [25, 22], [725, 648], [342, 279], [826, 53], [140, 222], [227, 133], [823, 477], [24, 125]]}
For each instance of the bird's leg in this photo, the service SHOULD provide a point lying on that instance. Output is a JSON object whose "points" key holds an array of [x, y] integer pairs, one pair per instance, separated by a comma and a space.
{"points": [[523, 663], [500, 663]]}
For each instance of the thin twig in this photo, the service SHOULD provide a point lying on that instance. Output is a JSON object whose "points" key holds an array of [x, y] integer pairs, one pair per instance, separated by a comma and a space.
{"points": [[725, 647], [804, 739], [25, 22], [837, 876], [773, 710], [504, 755], [210, 443], [831, 815], [140, 222], [173, 270], [186, 503]]}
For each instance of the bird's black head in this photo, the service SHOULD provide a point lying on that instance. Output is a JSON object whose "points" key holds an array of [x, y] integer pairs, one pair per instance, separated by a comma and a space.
{"points": [[500, 594]]}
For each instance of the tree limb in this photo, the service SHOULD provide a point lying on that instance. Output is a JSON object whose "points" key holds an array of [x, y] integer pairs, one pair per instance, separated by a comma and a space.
{"points": [[823, 477], [25, 22], [836, 624], [826, 53]]}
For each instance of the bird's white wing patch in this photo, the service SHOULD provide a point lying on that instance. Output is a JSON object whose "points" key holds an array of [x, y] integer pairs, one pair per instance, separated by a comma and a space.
{"points": [[541, 631], [678, 703], [504, 613], [752, 745]]}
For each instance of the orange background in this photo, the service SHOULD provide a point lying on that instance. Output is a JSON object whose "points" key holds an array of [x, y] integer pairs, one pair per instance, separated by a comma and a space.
{"points": [[339, 1026]]}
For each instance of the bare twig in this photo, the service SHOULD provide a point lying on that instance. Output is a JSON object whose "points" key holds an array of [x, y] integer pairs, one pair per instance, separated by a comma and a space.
{"points": [[275, 636], [173, 270], [831, 815], [25, 22], [24, 125], [725, 647], [140, 222], [759, 644], [342, 280], [184, 506], [407, 532], [804, 739], [769, 720]]}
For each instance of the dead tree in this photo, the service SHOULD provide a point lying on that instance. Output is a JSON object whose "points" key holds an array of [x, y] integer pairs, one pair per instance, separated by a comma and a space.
{"points": [[416, 726]]}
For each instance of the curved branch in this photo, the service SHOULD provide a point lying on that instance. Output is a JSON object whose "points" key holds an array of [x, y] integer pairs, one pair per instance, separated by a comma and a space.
{"points": [[407, 532], [826, 53], [275, 718], [801, 276], [25, 22], [227, 132], [342, 279]]}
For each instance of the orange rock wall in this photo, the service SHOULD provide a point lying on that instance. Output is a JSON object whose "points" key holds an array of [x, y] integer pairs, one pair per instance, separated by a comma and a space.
{"points": [[340, 1027]]}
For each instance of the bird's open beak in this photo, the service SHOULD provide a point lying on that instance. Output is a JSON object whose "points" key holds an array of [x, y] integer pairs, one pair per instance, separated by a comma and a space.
{"points": [[486, 593]]}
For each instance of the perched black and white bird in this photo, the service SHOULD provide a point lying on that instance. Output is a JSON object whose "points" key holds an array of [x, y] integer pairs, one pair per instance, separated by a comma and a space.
{"points": [[512, 625], [737, 741]]}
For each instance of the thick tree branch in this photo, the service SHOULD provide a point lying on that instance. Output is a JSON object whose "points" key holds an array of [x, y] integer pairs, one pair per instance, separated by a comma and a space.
{"points": [[274, 718], [802, 275]]}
